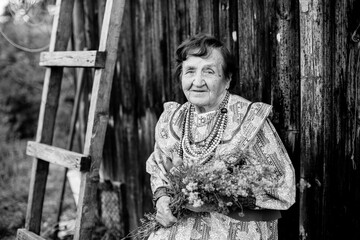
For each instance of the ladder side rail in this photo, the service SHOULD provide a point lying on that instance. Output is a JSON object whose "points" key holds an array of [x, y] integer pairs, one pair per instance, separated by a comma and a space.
{"points": [[50, 97], [98, 118]]}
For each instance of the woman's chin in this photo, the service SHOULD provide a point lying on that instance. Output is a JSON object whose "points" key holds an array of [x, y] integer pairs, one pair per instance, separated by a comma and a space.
{"points": [[202, 107], [200, 97], [198, 102]]}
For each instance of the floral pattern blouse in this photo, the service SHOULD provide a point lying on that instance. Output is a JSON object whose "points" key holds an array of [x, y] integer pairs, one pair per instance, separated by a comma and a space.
{"points": [[248, 128]]}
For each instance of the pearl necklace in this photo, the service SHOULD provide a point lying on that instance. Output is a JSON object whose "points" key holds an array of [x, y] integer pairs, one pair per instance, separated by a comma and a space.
{"points": [[204, 151]]}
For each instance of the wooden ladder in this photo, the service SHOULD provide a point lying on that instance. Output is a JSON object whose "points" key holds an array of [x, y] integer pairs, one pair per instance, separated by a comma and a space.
{"points": [[87, 163]]}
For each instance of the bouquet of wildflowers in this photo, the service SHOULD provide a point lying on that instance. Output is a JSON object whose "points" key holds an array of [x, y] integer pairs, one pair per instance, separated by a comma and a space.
{"points": [[218, 185]]}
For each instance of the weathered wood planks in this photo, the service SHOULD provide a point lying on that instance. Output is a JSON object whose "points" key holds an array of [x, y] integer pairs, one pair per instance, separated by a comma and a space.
{"points": [[58, 156], [297, 56], [49, 103], [93, 59], [23, 234], [98, 118]]}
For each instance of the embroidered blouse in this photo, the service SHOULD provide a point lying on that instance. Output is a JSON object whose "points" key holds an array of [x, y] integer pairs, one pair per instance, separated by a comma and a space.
{"points": [[248, 127]]}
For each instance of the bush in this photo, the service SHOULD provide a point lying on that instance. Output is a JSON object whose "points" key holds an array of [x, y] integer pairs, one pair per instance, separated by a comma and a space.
{"points": [[20, 83]]}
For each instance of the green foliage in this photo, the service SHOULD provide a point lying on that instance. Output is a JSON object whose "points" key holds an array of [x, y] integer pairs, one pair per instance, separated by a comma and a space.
{"points": [[20, 86], [14, 182]]}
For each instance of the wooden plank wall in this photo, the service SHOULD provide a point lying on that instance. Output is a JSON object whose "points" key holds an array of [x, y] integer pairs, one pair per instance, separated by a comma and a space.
{"points": [[300, 56], [329, 156]]}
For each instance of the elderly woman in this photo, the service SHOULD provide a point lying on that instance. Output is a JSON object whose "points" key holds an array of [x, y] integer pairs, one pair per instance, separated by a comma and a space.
{"points": [[212, 123]]}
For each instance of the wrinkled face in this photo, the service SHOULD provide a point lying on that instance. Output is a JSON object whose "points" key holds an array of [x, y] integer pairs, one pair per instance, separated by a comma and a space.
{"points": [[203, 81]]}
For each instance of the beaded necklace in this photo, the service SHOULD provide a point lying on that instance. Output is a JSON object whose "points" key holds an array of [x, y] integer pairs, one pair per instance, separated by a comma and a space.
{"points": [[201, 130], [204, 151]]}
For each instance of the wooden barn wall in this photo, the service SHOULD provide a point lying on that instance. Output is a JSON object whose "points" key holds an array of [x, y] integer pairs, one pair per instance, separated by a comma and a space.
{"points": [[300, 56], [329, 174]]}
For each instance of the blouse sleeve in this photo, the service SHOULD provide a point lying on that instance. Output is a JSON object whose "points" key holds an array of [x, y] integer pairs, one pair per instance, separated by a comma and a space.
{"points": [[157, 166], [161, 160], [269, 149]]}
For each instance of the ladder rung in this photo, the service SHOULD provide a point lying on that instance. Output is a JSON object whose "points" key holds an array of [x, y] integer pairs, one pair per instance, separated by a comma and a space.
{"points": [[58, 156], [73, 59], [23, 234]]}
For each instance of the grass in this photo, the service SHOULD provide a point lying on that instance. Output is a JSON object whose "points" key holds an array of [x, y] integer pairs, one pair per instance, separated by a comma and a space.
{"points": [[15, 172], [15, 177]]}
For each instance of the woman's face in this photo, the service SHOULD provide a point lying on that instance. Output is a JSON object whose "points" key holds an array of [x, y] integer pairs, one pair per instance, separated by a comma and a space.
{"points": [[203, 81]]}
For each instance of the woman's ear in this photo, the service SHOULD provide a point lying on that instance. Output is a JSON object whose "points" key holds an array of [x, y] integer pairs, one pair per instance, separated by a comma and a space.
{"points": [[179, 80], [228, 83]]}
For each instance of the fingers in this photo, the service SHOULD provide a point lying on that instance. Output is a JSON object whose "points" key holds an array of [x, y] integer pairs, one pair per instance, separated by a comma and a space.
{"points": [[165, 217], [163, 214]]}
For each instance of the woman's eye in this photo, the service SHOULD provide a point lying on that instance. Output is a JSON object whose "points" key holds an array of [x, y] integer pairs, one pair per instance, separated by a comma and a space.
{"points": [[209, 71]]}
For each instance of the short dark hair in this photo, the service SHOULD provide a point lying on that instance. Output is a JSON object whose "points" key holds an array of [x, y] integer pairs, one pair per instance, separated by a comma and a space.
{"points": [[203, 44]]}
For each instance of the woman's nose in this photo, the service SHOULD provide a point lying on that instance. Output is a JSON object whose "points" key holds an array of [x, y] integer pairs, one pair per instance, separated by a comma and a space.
{"points": [[198, 79]]}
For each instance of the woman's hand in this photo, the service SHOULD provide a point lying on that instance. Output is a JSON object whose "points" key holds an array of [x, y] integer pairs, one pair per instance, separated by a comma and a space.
{"points": [[163, 214], [203, 208]]}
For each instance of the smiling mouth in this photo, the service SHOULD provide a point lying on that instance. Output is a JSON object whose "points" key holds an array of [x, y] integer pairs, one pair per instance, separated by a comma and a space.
{"points": [[199, 91]]}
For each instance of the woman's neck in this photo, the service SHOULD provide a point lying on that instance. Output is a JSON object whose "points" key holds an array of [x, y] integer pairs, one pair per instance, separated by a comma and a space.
{"points": [[200, 109]]}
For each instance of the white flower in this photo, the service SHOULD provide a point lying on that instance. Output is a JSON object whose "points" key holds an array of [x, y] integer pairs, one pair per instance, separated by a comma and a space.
{"points": [[197, 203], [193, 196], [191, 186], [231, 159], [219, 165]]}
